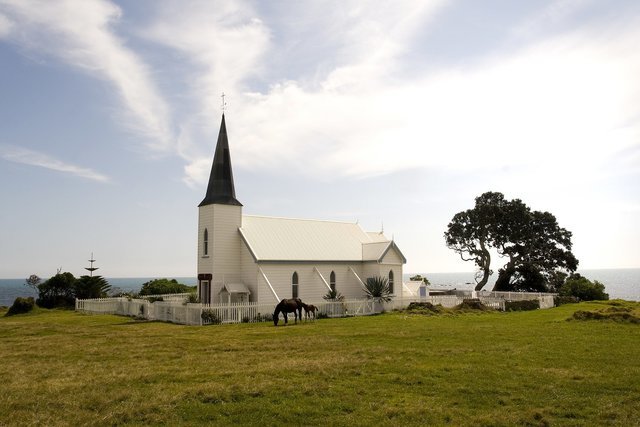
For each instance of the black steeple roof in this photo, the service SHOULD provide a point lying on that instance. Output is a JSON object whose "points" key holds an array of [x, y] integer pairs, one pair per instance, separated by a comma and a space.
{"points": [[221, 190]]}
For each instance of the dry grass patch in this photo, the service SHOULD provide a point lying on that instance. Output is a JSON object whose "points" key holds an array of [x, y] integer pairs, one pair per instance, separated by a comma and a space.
{"points": [[616, 311]]}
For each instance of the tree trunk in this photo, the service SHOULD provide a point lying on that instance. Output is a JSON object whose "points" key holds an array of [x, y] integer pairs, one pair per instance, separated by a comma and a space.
{"points": [[503, 283], [486, 272], [485, 267]]}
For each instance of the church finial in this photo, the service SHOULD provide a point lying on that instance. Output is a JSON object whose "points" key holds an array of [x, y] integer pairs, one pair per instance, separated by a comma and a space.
{"points": [[224, 103]]}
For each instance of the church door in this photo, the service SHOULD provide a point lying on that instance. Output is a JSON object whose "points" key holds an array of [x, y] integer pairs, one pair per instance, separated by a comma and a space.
{"points": [[205, 292]]}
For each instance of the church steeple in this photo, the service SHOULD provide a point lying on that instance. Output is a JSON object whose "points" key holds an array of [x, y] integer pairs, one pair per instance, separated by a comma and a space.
{"points": [[221, 190]]}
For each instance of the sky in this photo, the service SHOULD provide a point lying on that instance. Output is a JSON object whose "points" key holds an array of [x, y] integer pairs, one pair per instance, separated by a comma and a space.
{"points": [[394, 114]]}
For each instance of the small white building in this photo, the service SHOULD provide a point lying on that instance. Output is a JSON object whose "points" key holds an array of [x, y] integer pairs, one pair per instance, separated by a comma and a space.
{"points": [[264, 259], [416, 289]]}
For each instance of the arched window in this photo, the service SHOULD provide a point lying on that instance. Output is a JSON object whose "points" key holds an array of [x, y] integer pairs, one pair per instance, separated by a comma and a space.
{"points": [[294, 285], [391, 281], [206, 241], [332, 281]]}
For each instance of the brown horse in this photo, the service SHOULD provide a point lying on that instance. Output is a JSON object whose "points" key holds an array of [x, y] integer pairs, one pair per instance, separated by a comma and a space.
{"points": [[309, 308], [286, 306]]}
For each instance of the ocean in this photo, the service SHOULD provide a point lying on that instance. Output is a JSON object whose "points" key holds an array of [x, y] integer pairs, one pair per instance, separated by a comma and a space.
{"points": [[10, 289], [619, 283]]}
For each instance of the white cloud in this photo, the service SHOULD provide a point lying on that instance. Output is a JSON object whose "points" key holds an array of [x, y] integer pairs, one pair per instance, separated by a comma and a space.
{"points": [[568, 97], [229, 46], [554, 13], [81, 34], [223, 41], [34, 158], [355, 113], [5, 26]]}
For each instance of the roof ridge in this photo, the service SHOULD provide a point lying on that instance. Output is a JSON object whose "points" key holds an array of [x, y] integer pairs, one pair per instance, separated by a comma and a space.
{"points": [[302, 219]]}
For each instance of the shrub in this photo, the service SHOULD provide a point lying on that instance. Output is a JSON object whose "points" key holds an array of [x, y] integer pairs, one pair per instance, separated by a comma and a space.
{"points": [[154, 299], [263, 317], [472, 304], [163, 286], [333, 295], [377, 288], [425, 308], [321, 315], [525, 305], [583, 289], [192, 298], [616, 315], [21, 305], [210, 317]]}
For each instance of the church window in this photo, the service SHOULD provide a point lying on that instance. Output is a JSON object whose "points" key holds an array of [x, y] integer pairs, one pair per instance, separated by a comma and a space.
{"points": [[294, 285], [391, 281], [332, 281], [206, 241]]}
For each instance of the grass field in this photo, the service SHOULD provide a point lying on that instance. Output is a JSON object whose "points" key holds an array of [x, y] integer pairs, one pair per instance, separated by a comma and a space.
{"points": [[525, 368]]}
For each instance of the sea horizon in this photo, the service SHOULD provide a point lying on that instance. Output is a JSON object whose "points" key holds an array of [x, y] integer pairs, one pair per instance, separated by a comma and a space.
{"points": [[620, 283], [471, 273]]}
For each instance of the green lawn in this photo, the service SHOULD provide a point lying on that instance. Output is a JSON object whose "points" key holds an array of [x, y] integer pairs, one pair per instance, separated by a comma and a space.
{"points": [[529, 368]]}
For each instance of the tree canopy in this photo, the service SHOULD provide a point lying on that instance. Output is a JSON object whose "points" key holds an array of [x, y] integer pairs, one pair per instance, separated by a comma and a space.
{"points": [[535, 246], [583, 288], [91, 287], [33, 281], [163, 286], [58, 291], [420, 278], [62, 289]]}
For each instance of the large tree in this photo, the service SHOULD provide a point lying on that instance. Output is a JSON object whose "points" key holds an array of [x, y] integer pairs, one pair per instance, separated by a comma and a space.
{"points": [[536, 248], [470, 233], [533, 243], [58, 291]]}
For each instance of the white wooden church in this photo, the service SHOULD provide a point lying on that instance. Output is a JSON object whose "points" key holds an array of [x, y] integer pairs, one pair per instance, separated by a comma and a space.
{"points": [[244, 258]]}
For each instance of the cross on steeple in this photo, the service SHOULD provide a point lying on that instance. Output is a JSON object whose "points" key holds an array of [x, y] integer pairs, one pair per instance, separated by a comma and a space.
{"points": [[224, 104]]}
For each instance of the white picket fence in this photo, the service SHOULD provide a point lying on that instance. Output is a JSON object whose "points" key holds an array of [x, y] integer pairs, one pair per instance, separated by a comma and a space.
{"points": [[191, 314], [176, 310], [546, 300]]}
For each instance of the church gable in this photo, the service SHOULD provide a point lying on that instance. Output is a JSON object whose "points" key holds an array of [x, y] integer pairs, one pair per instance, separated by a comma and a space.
{"points": [[392, 255]]}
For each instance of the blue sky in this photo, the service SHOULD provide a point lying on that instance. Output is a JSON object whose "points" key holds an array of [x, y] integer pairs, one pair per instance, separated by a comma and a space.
{"points": [[396, 114]]}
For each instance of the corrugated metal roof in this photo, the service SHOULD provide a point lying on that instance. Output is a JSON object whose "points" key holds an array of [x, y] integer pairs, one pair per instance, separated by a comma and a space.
{"points": [[235, 288], [373, 251], [288, 239]]}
